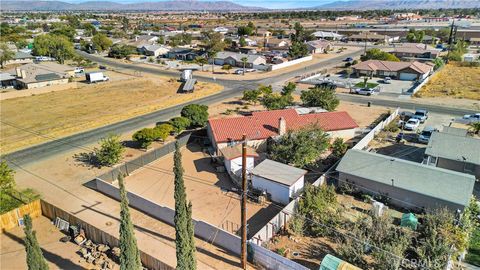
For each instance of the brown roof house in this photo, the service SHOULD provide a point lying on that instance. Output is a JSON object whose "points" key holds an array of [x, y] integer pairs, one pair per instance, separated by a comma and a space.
{"points": [[42, 74], [407, 71], [319, 46], [415, 51]]}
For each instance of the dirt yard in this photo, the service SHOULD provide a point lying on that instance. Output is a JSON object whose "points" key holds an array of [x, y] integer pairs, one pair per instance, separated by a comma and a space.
{"points": [[58, 255], [453, 81], [61, 113], [207, 190]]}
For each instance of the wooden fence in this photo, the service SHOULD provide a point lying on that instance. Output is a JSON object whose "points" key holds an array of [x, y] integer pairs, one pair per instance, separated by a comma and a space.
{"points": [[11, 219]]}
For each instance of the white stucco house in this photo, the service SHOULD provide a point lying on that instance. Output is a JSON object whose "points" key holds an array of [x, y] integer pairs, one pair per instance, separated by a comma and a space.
{"points": [[232, 158], [280, 181]]}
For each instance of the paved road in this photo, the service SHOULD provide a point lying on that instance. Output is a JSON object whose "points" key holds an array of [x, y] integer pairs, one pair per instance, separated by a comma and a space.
{"points": [[231, 88]]}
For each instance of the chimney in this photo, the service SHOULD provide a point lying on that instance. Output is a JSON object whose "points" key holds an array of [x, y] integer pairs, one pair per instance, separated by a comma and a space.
{"points": [[19, 72], [282, 126], [24, 74]]}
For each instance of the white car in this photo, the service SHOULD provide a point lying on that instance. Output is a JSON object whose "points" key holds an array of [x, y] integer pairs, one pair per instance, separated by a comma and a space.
{"points": [[472, 117], [366, 91], [411, 124]]}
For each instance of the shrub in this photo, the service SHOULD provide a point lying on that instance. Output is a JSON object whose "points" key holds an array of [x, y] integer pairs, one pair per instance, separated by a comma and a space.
{"points": [[110, 151], [339, 147], [196, 113], [163, 131], [297, 224], [144, 137], [179, 124]]}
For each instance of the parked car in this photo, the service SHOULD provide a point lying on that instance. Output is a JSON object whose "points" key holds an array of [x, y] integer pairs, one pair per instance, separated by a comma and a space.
{"points": [[421, 115], [425, 135], [405, 115], [411, 124], [102, 67], [327, 85], [79, 70], [348, 59], [471, 118], [387, 80], [365, 91]]}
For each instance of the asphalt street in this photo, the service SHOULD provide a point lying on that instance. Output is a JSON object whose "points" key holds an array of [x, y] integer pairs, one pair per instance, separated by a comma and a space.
{"points": [[232, 88]]}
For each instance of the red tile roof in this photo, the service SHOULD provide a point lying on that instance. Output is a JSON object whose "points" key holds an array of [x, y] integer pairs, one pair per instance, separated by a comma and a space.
{"points": [[264, 124], [374, 65]]}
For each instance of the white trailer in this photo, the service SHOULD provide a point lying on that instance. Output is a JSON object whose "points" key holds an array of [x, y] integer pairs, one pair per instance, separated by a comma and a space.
{"points": [[187, 74], [94, 77]]}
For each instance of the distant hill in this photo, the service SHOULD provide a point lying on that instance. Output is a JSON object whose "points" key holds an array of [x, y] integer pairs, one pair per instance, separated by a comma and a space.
{"points": [[399, 4], [185, 5]]}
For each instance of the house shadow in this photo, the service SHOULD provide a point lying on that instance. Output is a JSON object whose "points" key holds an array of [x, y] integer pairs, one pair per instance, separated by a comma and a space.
{"points": [[59, 261], [260, 219]]}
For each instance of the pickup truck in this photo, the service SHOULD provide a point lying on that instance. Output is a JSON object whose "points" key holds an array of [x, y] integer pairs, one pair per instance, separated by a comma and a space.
{"points": [[421, 115]]}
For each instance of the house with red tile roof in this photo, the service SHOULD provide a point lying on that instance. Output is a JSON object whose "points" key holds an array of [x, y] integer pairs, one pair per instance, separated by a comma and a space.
{"points": [[259, 126], [408, 71]]}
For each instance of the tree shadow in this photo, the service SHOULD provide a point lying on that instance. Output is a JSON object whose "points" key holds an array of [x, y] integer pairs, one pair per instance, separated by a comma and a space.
{"points": [[59, 261], [87, 159]]}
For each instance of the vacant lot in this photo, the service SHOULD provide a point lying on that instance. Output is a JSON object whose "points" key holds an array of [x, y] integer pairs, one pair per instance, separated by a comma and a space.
{"points": [[453, 81], [58, 114]]}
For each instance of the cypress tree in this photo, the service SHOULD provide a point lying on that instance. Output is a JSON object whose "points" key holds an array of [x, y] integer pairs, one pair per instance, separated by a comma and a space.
{"points": [[130, 255], [184, 231], [35, 259]]}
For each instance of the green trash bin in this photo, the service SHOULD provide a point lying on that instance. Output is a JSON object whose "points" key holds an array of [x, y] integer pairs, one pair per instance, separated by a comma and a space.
{"points": [[409, 220]]}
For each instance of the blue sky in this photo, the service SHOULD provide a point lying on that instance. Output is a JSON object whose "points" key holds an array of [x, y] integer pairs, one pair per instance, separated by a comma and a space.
{"points": [[258, 3]]}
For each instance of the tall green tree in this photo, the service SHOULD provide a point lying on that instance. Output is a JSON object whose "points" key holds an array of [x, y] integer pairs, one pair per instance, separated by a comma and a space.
{"points": [[129, 255], [196, 113], [5, 54], [320, 97], [35, 259], [7, 181], [213, 45], [101, 42], [56, 46], [377, 54], [298, 50], [110, 151], [184, 231]]}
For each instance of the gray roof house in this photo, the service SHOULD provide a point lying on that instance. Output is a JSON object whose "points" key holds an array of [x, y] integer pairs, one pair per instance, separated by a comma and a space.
{"points": [[408, 184], [154, 50], [235, 59], [455, 152], [282, 182]]}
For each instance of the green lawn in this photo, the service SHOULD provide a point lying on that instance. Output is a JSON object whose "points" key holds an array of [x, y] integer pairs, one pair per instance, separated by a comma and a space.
{"points": [[17, 199], [369, 85], [473, 255]]}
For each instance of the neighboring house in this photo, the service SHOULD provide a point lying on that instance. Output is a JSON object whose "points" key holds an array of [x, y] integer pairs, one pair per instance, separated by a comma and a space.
{"points": [[154, 50], [319, 46], [232, 158], [407, 71], [415, 51], [279, 44], [21, 58], [263, 33], [372, 37], [475, 41], [259, 126], [327, 35], [430, 40], [7, 80], [470, 57], [281, 182], [454, 152], [235, 59], [40, 75], [408, 184], [182, 54], [221, 29]]}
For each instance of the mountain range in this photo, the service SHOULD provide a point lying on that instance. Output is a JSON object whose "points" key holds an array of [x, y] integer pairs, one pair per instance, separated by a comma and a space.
{"points": [[194, 5], [398, 4], [182, 5]]}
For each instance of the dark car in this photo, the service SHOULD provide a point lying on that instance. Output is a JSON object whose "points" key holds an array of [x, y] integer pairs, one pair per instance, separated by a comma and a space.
{"points": [[102, 67], [348, 59], [327, 85]]}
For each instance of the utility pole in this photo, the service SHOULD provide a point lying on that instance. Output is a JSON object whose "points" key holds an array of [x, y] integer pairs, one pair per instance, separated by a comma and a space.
{"points": [[244, 203]]}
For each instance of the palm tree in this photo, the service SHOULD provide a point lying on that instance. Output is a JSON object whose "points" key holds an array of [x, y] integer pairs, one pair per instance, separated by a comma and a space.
{"points": [[244, 61], [475, 127]]}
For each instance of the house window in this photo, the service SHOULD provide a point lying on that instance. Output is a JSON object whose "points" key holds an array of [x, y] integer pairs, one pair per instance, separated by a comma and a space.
{"points": [[469, 167]]}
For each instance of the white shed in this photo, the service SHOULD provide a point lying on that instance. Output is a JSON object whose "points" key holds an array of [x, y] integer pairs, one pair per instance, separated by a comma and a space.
{"points": [[279, 180], [232, 158]]}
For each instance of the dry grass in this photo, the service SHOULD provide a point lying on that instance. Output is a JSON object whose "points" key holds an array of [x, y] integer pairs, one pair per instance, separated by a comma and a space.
{"points": [[453, 81], [58, 114]]}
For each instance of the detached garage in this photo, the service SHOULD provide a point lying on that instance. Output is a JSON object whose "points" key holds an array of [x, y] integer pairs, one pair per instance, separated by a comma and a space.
{"points": [[407, 76], [280, 181]]}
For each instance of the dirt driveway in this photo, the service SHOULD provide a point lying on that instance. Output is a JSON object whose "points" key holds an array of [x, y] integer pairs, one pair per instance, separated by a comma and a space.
{"points": [[207, 190]]}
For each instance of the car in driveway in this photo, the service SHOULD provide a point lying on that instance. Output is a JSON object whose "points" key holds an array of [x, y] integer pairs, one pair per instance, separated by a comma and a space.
{"points": [[412, 124], [421, 115], [425, 135], [387, 80]]}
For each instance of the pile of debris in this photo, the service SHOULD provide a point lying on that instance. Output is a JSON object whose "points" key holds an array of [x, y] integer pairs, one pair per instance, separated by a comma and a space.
{"points": [[99, 254]]}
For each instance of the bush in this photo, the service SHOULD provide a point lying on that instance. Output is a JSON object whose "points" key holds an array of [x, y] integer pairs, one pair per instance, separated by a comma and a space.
{"points": [[339, 147], [110, 151], [320, 97], [392, 126], [144, 137], [197, 114], [179, 124], [297, 224], [163, 131]]}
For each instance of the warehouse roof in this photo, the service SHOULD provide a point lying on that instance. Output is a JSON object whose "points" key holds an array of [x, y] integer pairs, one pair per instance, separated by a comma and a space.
{"points": [[278, 172], [427, 180], [454, 147]]}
